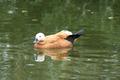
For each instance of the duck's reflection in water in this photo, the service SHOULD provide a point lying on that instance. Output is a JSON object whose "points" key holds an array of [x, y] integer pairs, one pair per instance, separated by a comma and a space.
{"points": [[55, 54]]}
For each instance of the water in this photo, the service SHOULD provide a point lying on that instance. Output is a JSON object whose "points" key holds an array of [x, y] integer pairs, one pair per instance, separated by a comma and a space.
{"points": [[95, 55]]}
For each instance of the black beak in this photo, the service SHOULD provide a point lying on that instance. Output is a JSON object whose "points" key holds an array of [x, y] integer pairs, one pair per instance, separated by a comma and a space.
{"points": [[35, 40]]}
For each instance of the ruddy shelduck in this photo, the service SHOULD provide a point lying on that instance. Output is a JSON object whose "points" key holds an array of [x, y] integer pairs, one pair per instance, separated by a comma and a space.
{"points": [[62, 39]]}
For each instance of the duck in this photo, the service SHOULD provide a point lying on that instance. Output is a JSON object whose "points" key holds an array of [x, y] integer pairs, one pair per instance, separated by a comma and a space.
{"points": [[62, 39]]}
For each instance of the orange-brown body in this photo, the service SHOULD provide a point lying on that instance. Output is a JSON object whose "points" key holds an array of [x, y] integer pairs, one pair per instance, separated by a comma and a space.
{"points": [[54, 41]]}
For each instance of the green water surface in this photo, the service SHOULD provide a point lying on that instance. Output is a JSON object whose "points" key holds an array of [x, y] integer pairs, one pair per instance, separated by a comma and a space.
{"points": [[95, 56]]}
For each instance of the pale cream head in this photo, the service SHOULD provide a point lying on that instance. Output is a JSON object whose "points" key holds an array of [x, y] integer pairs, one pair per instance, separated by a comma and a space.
{"points": [[39, 37]]}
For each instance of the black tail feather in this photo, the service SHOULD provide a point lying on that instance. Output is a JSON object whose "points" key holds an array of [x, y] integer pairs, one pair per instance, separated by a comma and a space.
{"points": [[72, 37]]}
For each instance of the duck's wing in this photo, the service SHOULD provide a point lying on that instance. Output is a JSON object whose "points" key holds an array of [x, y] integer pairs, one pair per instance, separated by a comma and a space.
{"points": [[63, 34], [51, 39], [72, 37]]}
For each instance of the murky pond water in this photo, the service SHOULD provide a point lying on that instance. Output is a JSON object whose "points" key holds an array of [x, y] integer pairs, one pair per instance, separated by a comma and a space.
{"points": [[95, 56]]}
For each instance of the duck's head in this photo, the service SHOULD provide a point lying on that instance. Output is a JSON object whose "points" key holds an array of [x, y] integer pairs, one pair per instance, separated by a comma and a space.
{"points": [[39, 37]]}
